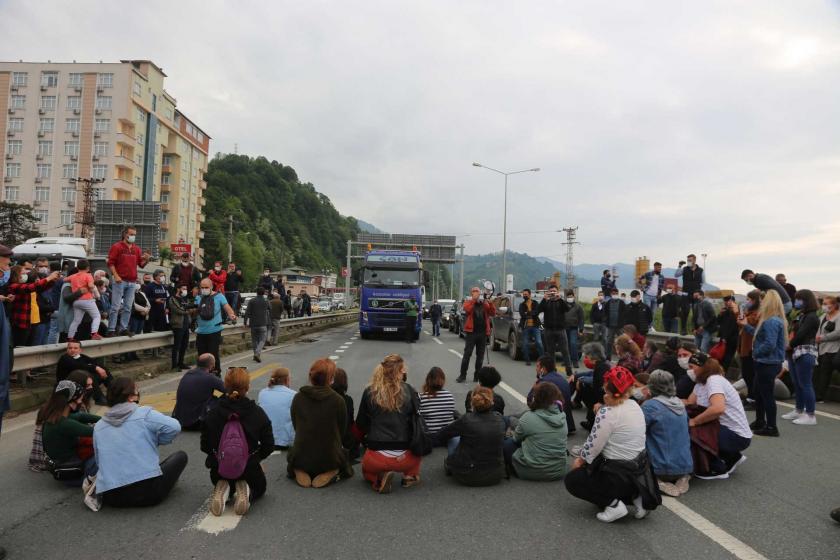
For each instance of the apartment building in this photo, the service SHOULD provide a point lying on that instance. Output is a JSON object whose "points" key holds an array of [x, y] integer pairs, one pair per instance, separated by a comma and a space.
{"points": [[109, 121]]}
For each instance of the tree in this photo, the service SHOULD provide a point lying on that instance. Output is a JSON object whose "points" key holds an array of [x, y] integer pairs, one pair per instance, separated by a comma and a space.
{"points": [[17, 223]]}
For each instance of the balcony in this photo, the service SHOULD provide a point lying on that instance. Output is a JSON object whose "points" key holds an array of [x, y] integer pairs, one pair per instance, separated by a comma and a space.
{"points": [[124, 162], [166, 169], [164, 226], [164, 188], [126, 139], [202, 184], [199, 234], [123, 185], [164, 207], [202, 201]]}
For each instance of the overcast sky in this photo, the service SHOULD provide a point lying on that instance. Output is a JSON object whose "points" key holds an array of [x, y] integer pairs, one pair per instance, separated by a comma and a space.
{"points": [[661, 128]]}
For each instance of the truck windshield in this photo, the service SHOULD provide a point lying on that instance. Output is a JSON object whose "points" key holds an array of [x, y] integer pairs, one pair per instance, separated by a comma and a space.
{"points": [[378, 277]]}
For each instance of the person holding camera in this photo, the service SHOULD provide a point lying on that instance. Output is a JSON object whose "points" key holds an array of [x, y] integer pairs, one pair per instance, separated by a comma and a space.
{"points": [[693, 279], [479, 312], [181, 311], [554, 309]]}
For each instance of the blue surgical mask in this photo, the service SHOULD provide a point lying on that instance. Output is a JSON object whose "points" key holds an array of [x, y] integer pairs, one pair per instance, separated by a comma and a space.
{"points": [[4, 278], [798, 304]]}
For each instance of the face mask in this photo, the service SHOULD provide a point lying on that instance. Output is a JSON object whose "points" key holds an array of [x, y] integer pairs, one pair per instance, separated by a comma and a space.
{"points": [[690, 263], [570, 299], [24, 278], [4, 279], [161, 279], [526, 298], [692, 375], [607, 276], [77, 356], [588, 363], [218, 268], [138, 287], [185, 263], [205, 291], [670, 291], [265, 273], [825, 309], [798, 304], [44, 269], [183, 293], [638, 395], [683, 362], [131, 238]]}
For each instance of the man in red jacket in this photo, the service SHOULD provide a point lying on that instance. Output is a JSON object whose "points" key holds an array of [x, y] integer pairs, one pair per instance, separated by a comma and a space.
{"points": [[123, 260], [478, 314], [218, 277]]}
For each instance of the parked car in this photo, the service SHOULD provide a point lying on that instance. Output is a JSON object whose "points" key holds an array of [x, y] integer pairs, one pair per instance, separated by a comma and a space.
{"points": [[325, 305], [446, 318], [505, 329]]}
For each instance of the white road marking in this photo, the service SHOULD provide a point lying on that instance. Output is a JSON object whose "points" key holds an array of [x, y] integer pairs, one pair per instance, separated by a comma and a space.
{"points": [[428, 333], [817, 412], [339, 351], [737, 548], [344, 347], [438, 341], [456, 353], [349, 342], [513, 392], [333, 357]]}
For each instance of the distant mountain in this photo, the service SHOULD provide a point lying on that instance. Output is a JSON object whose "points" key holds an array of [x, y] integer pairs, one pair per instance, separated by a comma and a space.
{"points": [[626, 272], [368, 228], [526, 270]]}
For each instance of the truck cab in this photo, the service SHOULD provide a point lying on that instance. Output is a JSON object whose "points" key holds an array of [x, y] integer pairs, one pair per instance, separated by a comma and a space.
{"points": [[387, 280]]}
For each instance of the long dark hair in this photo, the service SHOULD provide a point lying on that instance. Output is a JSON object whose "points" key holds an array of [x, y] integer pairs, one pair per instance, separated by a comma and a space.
{"points": [[809, 301], [80, 377], [54, 409], [435, 381]]}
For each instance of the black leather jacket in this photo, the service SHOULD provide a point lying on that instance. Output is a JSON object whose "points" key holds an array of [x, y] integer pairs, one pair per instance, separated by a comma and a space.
{"points": [[387, 429], [480, 449]]}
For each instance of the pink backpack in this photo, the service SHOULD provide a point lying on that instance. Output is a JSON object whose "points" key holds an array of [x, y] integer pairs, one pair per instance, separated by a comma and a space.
{"points": [[232, 454]]}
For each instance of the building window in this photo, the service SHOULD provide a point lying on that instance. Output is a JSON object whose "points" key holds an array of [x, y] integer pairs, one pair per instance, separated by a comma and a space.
{"points": [[74, 101], [141, 115], [71, 149], [47, 125], [13, 170], [49, 79], [69, 171], [138, 90], [167, 160], [43, 170], [11, 194], [15, 125], [102, 125], [104, 102], [73, 125], [75, 79], [99, 171], [141, 139], [18, 102], [182, 221], [67, 217], [45, 147], [99, 193], [164, 198], [42, 194], [41, 216], [100, 149], [48, 102], [19, 78], [168, 113], [165, 179], [105, 80], [140, 160], [14, 147], [68, 194], [137, 182]]}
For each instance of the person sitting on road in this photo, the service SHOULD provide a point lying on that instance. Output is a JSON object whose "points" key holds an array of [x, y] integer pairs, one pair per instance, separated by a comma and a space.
{"points": [[668, 443], [126, 442], [475, 443], [488, 377], [73, 360], [437, 405], [251, 484], [613, 468], [319, 417], [635, 336], [386, 418], [537, 450], [547, 372], [195, 393], [722, 402], [66, 432], [684, 381], [589, 384], [629, 354], [276, 401], [348, 439]]}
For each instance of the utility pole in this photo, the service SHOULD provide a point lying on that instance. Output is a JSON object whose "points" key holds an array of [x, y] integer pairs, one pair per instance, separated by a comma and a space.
{"points": [[86, 217], [349, 275], [230, 238], [461, 293], [571, 241]]}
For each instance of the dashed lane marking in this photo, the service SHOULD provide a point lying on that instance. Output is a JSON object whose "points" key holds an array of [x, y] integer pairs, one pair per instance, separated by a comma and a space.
{"points": [[333, 357], [456, 353], [817, 412], [513, 392], [438, 341], [339, 351]]}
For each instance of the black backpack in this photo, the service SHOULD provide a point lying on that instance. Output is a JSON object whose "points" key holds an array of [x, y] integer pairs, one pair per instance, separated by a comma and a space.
{"points": [[207, 307]]}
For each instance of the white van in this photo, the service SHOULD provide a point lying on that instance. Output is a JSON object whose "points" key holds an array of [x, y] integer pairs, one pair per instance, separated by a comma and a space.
{"points": [[56, 249]]}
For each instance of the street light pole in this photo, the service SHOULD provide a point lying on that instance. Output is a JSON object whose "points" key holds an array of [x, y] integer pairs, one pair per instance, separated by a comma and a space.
{"points": [[504, 225]]}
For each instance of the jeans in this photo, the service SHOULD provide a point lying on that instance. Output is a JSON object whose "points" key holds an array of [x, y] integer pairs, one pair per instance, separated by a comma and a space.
{"points": [[670, 324], [703, 340], [122, 302], [802, 373], [137, 324], [258, 336], [436, 327], [527, 334], [52, 335], [730, 446], [555, 340], [599, 333], [651, 302], [39, 334], [151, 491], [209, 344], [477, 341], [574, 349], [233, 300], [509, 447], [612, 333], [765, 402], [180, 341]]}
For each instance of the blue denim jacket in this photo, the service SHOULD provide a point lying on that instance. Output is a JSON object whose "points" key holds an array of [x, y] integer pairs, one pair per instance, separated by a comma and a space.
{"points": [[276, 401], [668, 442], [769, 343], [129, 453]]}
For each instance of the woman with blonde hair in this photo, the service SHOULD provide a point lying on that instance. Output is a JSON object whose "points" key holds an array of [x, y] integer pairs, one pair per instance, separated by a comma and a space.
{"points": [[319, 416], [385, 416], [769, 343], [234, 412], [629, 354]]}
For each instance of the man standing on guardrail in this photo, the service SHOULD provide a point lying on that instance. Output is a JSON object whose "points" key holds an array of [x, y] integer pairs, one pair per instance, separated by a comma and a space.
{"points": [[123, 260], [232, 285], [186, 274], [208, 334]]}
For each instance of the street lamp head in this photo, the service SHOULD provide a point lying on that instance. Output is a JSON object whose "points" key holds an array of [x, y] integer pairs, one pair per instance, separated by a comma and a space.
{"points": [[476, 164], [535, 169]]}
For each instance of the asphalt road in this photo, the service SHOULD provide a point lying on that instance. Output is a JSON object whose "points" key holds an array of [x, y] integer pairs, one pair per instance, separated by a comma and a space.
{"points": [[775, 506]]}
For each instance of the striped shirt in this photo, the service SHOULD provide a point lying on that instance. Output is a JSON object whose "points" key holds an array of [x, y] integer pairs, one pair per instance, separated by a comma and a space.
{"points": [[437, 410]]}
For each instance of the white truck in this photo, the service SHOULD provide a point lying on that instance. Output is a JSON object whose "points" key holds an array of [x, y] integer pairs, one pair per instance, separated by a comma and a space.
{"points": [[68, 250]]}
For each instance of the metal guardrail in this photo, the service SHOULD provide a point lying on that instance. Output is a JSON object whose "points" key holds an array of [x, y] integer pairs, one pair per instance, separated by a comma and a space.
{"points": [[28, 357], [657, 337]]}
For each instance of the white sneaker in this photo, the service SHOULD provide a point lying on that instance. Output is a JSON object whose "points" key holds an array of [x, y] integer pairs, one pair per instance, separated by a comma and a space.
{"points": [[219, 498], [792, 415], [682, 484], [806, 420], [611, 514], [243, 498], [737, 464], [641, 512]]}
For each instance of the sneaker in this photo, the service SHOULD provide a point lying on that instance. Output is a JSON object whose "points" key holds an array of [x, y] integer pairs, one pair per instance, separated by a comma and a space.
{"points": [[460, 380], [92, 500], [123, 332], [806, 420], [385, 483], [612, 513], [757, 425], [324, 479], [736, 464], [219, 497], [682, 484], [641, 512], [257, 359], [303, 479], [668, 488], [89, 480], [792, 415], [712, 476], [409, 481], [96, 336], [243, 498], [767, 431]]}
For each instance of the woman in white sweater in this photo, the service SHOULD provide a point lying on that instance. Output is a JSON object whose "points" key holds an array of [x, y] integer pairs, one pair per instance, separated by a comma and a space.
{"points": [[613, 468]]}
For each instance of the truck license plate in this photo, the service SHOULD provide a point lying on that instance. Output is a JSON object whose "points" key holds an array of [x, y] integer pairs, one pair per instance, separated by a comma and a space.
{"points": [[390, 329]]}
